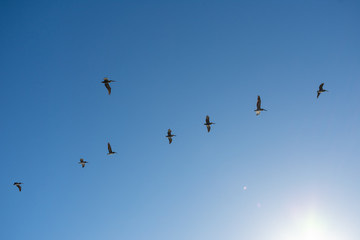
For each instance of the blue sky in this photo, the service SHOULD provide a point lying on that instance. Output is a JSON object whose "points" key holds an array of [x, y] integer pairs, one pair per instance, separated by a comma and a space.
{"points": [[176, 62]]}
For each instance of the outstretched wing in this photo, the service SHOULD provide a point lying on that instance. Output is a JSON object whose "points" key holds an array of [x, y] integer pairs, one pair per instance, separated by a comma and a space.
{"points": [[321, 87], [318, 94], [208, 128], [109, 148], [83, 165], [169, 132], [19, 187], [258, 104], [107, 85], [170, 140], [81, 160], [207, 119]]}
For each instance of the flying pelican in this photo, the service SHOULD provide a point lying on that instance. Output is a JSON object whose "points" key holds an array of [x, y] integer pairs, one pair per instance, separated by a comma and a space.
{"points": [[321, 90], [169, 136], [258, 109], [18, 185], [107, 85], [82, 162], [208, 123], [110, 150]]}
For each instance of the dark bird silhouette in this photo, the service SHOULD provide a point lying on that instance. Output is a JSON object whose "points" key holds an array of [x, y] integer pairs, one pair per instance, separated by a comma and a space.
{"points": [[208, 123], [258, 109], [169, 136], [321, 90], [110, 150], [82, 162], [18, 185], [107, 85]]}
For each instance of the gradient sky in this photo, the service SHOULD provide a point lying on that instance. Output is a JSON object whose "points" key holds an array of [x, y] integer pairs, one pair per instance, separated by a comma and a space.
{"points": [[176, 62]]}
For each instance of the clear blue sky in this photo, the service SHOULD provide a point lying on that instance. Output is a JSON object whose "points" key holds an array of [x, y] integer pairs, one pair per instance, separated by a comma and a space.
{"points": [[176, 62]]}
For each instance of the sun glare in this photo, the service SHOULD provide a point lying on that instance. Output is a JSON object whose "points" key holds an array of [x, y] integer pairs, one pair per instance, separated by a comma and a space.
{"points": [[310, 225]]}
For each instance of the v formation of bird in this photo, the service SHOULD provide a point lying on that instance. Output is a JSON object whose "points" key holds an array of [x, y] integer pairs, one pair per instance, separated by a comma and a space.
{"points": [[169, 135]]}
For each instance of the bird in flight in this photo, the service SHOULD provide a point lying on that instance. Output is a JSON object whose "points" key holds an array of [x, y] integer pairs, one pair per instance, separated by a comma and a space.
{"points": [[18, 184], [258, 109], [208, 123], [107, 85], [169, 136], [321, 90], [82, 162], [110, 150]]}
